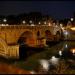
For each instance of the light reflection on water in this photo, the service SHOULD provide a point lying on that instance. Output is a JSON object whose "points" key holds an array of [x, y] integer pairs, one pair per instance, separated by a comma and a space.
{"points": [[64, 53], [66, 50]]}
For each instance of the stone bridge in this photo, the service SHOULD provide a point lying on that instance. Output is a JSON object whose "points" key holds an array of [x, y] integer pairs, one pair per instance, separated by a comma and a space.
{"points": [[13, 35]]}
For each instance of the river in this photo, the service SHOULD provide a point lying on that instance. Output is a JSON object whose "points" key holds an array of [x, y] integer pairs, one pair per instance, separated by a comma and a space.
{"points": [[63, 50]]}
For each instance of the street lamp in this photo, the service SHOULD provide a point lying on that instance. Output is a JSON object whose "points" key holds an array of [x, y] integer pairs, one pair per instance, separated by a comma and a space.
{"points": [[45, 23], [49, 24], [30, 21], [72, 19], [61, 25], [23, 22], [39, 23], [4, 20]]}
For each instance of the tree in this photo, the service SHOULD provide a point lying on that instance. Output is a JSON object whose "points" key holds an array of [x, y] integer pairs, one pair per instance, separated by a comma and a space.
{"points": [[11, 19]]}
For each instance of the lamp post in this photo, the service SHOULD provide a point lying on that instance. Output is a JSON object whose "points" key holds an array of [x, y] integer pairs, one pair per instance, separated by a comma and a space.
{"points": [[72, 19], [30, 21], [5, 20], [39, 23], [23, 22], [45, 23], [49, 24]]}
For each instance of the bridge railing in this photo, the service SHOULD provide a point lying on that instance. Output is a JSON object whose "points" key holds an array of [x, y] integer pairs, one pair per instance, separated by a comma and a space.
{"points": [[22, 26]]}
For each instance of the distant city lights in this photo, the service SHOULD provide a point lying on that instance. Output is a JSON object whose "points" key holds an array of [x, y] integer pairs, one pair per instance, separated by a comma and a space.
{"points": [[72, 28], [66, 33], [73, 50]]}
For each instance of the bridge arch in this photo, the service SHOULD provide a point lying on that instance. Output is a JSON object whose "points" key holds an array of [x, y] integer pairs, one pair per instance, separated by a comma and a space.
{"points": [[24, 36], [24, 41], [38, 34], [48, 32], [3, 46], [57, 36], [48, 36]]}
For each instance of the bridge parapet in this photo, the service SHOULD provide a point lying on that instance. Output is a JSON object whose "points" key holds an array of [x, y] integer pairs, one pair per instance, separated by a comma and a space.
{"points": [[23, 26]]}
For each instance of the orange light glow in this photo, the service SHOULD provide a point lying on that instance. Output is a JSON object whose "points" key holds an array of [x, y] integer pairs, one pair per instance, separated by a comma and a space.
{"points": [[73, 28], [73, 50]]}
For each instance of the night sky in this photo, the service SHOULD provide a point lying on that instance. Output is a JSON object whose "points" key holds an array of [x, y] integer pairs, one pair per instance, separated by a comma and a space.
{"points": [[58, 9]]}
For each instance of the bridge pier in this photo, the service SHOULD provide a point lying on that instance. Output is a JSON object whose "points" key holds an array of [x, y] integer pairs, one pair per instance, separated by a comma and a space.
{"points": [[41, 42], [13, 51]]}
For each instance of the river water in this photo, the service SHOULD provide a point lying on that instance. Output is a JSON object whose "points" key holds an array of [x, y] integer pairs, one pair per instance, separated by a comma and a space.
{"points": [[64, 50], [67, 50]]}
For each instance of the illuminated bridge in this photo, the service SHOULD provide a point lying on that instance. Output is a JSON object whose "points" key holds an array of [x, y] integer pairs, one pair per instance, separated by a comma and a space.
{"points": [[12, 36]]}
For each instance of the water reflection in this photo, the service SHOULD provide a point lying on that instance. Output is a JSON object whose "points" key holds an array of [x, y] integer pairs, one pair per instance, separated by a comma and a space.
{"points": [[66, 54], [73, 51], [60, 53], [66, 46], [45, 64], [54, 60], [67, 50]]}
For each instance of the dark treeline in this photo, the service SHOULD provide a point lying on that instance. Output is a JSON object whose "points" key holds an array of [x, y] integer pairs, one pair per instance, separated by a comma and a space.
{"points": [[35, 17]]}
